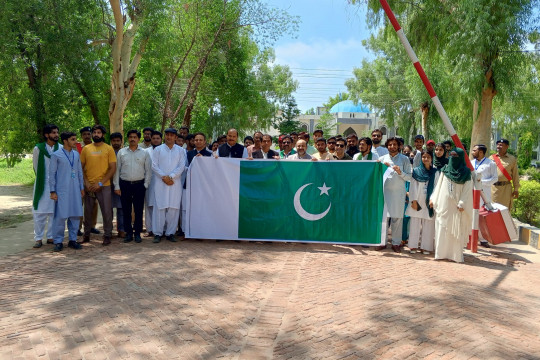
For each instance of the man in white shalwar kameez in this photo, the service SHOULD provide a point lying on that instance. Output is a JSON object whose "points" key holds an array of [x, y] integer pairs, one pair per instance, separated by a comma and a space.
{"points": [[452, 201], [43, 206], [399, 172], [168, 164]]}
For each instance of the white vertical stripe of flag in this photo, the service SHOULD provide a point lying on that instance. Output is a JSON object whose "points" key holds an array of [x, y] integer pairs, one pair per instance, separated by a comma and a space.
{"points": [[213, 185]]}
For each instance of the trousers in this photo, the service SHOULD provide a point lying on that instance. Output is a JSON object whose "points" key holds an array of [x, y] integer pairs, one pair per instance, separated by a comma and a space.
{"points": [[426, 227], [105, 203], [60, 226], [165, 218], [132, 196], [396, 224], [40, 220]]}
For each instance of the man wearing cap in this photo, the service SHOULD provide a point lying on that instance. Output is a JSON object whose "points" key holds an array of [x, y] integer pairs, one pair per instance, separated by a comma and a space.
{"points": [[507, 186], [169, 161], [430, 145], [418, 145]]}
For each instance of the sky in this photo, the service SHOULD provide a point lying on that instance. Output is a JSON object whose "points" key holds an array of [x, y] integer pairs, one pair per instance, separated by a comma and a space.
{"points": [[328, 45]]}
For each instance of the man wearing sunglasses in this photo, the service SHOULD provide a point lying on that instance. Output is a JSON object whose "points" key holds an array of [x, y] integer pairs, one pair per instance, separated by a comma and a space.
{"points": [[287, 148], [332, 145], [340, 150]]}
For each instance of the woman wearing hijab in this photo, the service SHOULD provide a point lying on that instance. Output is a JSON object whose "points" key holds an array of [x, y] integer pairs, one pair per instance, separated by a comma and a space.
{"points": [[424, 179], [440, 159], [452, 202]]}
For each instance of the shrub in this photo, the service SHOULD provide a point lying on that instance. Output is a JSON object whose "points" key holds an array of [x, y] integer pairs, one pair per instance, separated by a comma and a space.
{"points": [[527, 205], [532, 174]]}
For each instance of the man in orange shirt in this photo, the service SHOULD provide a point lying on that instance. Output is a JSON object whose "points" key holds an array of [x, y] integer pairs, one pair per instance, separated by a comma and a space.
{"points": [[99, 164]]}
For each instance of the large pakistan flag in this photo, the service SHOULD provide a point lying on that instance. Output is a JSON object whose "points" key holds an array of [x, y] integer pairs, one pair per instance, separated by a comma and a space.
{"points": [[279, 200]]}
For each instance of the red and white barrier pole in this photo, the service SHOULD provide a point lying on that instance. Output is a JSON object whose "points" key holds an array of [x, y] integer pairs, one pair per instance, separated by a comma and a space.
{"points": [[473, 243]]}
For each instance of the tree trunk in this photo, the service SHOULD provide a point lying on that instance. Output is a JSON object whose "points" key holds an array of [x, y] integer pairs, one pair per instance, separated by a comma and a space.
{"points": [[35, 82], [481, 131], [425, 113], [123, 76]]}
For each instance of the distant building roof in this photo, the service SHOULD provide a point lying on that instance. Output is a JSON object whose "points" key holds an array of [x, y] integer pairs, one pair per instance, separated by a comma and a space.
{"points": [[349, 106]]}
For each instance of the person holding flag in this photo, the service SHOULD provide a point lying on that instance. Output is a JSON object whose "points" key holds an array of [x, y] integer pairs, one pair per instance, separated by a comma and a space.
{"points": [[398, 174]]}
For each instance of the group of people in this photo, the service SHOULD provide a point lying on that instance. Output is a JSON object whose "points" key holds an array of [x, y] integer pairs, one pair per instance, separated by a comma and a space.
{"points": [[427, 188]]}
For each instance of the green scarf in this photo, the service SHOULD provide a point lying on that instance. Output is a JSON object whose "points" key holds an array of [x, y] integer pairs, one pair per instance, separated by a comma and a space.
{"points": [[369, 157], [456, 169], [40, 173], [439, 162]]}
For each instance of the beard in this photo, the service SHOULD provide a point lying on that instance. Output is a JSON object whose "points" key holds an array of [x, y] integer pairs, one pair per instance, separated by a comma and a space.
{"points": [[97, 139], [376, 141]]}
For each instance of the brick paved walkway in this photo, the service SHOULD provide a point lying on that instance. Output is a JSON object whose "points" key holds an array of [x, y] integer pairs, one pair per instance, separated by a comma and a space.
{"points": [[207, 300]]}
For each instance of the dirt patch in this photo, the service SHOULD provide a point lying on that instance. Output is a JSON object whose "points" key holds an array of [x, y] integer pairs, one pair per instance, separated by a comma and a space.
{"points": [[15, 205]]}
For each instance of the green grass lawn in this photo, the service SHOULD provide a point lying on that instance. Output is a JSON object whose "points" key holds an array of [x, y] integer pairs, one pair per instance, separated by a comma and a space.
{"points": [[22, 173]]}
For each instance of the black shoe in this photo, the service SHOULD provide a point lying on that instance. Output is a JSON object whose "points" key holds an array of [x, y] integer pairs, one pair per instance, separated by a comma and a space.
{"points": [[58, 247], [179, 233], [86, 238], [74, 245], [38, 244], [95, 231], [157, 238], [79, 233], [485, 244], [128, 238], [138, 238], [50, 241], [171, 238]]}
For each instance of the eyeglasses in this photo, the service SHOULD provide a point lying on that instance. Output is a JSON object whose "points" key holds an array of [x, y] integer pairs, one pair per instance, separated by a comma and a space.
{"points": [[340, 145], [286, 143]]}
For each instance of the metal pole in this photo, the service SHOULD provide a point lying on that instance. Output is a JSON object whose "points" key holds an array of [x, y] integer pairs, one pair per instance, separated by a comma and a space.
{"points": [[442, 113]]}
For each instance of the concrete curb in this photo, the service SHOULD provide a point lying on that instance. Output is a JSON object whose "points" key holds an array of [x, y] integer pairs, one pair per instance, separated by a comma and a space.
{"points": [[528, 234]]}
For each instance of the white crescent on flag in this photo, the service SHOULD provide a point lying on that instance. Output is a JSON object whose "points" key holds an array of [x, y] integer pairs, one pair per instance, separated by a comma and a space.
{"points": [[303, 213]]}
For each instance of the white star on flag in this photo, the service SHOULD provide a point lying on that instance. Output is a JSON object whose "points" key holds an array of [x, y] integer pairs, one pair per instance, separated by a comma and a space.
{"points": [[324, 189]]}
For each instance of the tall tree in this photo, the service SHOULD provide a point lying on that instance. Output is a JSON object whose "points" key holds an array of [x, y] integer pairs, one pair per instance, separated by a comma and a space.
{"points": [[287, 123], [213, 28], [126, 54], [482, 40]]}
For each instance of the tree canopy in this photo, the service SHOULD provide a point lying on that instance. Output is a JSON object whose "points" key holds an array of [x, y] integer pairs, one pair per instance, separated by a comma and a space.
{"points": [[472, 51], [207, 64]]}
